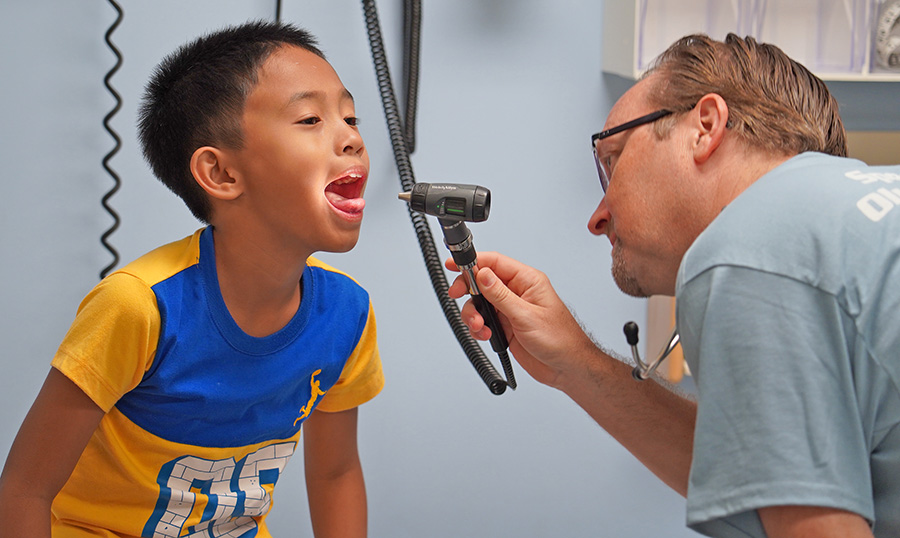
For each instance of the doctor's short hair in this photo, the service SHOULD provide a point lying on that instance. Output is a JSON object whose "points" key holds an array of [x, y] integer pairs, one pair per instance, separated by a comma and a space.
{"points": [[196, 98], [774, 102]]}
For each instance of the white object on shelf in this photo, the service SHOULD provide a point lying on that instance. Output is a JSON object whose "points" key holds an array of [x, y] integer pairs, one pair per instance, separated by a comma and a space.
{"points": [[833, 38], [887, 35]]}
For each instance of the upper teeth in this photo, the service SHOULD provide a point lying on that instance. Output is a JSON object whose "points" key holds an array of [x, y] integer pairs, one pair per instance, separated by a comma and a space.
{"points": [[351, 177]]}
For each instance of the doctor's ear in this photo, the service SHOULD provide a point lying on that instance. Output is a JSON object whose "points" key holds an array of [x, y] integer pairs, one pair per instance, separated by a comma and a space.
{"points": [[711, 113], [208, 166]]}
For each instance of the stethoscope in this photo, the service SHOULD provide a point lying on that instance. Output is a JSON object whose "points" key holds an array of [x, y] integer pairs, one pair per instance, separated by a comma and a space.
{"points": [[643, 370]]}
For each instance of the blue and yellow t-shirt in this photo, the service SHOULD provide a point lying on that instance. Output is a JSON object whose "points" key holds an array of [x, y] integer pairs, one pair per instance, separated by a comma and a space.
{"points": [[201, 417]]}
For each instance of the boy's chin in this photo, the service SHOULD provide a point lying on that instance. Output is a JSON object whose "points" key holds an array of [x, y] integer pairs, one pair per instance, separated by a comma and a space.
{"points": [[343, 247]]}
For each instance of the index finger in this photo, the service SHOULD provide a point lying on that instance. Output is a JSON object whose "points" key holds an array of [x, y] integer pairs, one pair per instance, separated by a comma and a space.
{"points": [[503, 266]]}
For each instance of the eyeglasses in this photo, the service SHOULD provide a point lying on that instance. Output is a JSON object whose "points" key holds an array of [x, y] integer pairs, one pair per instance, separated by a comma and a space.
{"points": [[602, 169]]}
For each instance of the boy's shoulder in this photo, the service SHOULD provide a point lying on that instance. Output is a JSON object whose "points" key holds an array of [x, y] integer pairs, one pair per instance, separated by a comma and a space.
{"points": [[319, 264], [166, 260]]}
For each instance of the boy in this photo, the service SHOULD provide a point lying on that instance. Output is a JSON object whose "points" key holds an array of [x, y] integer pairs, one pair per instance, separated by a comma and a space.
{"points": [[178, 395]]}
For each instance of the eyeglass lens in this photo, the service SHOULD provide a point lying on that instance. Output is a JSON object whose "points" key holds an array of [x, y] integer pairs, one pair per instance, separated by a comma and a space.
{"points": [[601, 169]]}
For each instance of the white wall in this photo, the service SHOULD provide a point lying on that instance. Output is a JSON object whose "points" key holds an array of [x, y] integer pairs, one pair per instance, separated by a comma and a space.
{"points": [[510, 92]]}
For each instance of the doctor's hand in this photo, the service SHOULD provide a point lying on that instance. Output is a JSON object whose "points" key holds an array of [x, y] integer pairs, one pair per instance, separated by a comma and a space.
{"points": [[543, 335]]}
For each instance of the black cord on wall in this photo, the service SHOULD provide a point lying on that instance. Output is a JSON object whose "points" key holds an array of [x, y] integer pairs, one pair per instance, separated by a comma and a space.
{"points": [[412, 23], [104, 239], [433, 260]]}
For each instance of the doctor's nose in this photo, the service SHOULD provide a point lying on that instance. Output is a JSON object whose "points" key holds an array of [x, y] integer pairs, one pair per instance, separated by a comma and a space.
{"points": [[599, 220]]}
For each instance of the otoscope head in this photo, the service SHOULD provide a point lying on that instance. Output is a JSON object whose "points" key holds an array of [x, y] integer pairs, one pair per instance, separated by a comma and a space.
{"points": [[452, 201]]}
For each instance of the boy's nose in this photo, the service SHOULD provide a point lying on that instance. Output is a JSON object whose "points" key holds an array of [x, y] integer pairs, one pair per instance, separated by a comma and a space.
{"points": [[350, 141]]}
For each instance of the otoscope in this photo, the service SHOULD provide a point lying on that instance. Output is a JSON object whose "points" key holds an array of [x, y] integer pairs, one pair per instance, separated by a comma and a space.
{"points": [[454, 204]]}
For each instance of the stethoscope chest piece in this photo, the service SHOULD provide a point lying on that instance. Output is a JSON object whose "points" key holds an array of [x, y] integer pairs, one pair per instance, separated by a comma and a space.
{"points": [[643, 370]]}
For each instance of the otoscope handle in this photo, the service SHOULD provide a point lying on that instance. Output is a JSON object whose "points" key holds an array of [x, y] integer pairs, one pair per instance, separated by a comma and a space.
{"points": [[498, 337], [459, 241], [486, 309]]}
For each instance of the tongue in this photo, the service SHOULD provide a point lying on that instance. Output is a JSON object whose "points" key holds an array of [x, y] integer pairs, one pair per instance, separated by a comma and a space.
{"points": [[347, 205]]}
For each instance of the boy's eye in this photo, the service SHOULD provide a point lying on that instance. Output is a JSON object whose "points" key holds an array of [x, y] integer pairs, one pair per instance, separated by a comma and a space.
{"points": [[312, 120], [352, 120]]}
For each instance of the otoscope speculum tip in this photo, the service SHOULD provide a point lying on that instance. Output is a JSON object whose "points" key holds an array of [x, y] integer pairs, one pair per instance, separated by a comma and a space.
{"points": [[405, 196]]}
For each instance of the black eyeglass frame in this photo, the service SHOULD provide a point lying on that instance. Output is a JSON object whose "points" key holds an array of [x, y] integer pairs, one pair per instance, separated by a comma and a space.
{"points": [[596, 137]]}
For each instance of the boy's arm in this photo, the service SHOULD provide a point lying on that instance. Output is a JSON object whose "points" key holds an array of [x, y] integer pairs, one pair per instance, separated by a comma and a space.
{"points": [[334, 478], [46, 449]]}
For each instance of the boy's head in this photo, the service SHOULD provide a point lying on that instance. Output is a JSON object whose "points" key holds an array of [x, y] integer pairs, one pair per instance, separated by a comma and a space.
{"points": [[196, 98]]}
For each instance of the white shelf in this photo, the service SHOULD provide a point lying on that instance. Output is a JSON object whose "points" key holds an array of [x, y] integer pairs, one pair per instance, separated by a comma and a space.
{"points": [[860, 77], [833, 38]]}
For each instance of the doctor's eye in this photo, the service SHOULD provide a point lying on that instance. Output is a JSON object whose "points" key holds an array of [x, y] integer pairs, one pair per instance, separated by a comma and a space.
{"points": [[610, 165]]}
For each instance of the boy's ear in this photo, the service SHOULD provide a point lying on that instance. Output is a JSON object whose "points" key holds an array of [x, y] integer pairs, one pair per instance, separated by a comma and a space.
{"points": [[712, 120], [209, 170]]}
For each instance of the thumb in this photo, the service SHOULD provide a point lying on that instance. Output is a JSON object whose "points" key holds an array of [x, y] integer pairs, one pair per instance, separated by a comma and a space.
{"points": [[496, 292]]}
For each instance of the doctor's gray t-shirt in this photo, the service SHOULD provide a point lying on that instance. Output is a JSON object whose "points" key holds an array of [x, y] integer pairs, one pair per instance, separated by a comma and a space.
{"points": [[788, 306]]}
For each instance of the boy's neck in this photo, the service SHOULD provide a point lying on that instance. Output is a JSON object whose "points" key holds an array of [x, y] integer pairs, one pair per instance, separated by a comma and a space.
{"points": [[259, 282]]}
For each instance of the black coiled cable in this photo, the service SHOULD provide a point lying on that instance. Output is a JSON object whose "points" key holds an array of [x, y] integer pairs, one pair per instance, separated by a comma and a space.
{"points": [[412, 22], [479, 360], [104, 239]]}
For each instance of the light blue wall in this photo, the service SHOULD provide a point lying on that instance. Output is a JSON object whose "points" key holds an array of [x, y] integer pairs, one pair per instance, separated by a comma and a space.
{"points": [[510, 92]]}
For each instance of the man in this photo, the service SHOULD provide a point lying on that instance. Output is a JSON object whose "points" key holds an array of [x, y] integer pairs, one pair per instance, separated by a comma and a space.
{"points": [[725, 185]]}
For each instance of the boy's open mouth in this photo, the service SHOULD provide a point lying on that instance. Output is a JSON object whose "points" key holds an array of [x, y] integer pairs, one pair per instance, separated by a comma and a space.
{"points": [[345, 193]]}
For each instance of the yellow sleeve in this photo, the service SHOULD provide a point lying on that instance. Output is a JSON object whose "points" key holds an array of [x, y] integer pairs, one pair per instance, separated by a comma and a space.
{"points": [[362, 378], [112, 340]]}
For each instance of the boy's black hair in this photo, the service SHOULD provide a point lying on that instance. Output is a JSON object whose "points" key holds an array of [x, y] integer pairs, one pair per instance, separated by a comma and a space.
{"points": [[196, 97]]}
